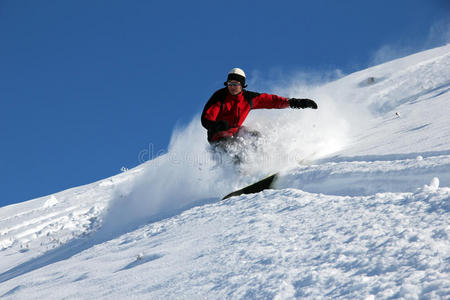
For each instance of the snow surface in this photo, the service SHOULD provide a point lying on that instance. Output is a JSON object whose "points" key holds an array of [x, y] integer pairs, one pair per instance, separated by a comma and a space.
{"points": [[361, 209]]}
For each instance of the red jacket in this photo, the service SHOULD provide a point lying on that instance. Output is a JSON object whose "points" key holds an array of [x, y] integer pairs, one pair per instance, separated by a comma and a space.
{"points": [[223, 106]]}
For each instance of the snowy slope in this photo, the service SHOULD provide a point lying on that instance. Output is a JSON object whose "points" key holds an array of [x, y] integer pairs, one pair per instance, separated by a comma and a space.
{"points": [[361, 209]]}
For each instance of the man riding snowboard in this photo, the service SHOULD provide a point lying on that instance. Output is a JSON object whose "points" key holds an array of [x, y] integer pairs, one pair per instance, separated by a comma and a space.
{"points": [[227, 109]]}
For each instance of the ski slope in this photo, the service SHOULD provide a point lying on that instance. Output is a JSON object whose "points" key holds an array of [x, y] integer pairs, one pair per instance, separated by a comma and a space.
{"points": [[361, 209]]}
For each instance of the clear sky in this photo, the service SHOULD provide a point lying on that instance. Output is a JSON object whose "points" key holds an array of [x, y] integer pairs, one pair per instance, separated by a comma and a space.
{"points": [[85, 86]]}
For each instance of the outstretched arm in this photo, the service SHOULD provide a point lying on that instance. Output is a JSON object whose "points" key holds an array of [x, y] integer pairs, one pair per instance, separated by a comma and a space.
{"points": [[274, 101], [270, 101]]}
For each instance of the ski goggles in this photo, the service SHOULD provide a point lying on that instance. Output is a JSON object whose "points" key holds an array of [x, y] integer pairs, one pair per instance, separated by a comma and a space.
{"points": [[233, 83]]}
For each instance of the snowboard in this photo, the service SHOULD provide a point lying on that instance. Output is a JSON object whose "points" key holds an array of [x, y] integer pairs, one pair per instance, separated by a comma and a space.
{"points": [[256, 187]]}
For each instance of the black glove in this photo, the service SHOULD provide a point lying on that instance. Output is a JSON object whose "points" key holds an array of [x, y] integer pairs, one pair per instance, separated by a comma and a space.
{"points": [[221, 126], [302, 103]]}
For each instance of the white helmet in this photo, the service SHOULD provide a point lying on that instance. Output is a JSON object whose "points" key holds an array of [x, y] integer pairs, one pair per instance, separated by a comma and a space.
{"points": [[237, 71]]}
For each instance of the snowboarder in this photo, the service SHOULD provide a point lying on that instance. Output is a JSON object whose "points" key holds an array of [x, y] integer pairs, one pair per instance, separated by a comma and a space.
{"points": [[227, 109]]}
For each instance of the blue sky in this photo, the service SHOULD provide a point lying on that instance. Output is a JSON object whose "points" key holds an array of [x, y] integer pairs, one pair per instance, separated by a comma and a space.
{"points": [[85, 86]]}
